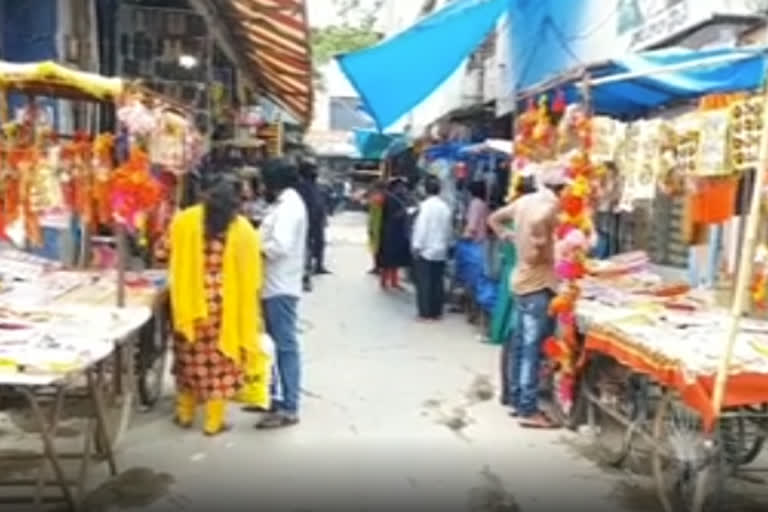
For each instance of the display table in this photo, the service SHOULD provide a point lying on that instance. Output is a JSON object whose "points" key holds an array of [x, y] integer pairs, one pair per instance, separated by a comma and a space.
{"points": [[62, 353]]}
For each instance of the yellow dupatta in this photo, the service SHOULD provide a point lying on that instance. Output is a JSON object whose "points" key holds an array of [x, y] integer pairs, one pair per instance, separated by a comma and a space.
{"points": [[241, 322]]}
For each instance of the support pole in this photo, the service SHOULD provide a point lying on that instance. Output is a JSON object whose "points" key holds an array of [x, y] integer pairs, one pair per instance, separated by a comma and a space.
{"points": [[745, 266], [740, 296]]}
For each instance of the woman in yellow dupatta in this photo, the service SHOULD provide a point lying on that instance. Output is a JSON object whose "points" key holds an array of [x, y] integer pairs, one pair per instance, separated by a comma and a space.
{"points": [[215, 272]]}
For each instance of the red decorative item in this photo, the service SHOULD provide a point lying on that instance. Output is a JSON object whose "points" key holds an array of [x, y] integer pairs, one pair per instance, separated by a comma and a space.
{"points": [[133, 189], [559, 105]]}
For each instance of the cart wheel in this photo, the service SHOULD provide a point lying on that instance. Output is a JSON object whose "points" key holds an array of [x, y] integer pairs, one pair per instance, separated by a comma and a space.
{"points": [[602, 390], [743, 433], [152, 360], [683, 458]]}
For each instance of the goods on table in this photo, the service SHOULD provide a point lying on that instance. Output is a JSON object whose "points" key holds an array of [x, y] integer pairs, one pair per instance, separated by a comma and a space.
{"points": [[62, 339]]}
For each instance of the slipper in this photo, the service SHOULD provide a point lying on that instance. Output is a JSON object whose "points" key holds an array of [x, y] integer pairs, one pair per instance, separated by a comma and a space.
{"points": [[538, 421], [224, 428], [274, 421], [255, 409]]}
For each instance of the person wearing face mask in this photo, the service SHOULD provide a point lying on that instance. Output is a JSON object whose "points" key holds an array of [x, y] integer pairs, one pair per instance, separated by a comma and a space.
{"points": [[284, 240]]}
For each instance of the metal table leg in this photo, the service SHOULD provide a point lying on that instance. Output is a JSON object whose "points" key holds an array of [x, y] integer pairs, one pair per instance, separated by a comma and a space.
{"points": [[101, 423], [49, 446], [52, 426]]}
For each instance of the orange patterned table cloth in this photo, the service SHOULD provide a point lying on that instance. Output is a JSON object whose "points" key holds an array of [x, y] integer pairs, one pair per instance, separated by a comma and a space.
{"points": [[696, 391]]}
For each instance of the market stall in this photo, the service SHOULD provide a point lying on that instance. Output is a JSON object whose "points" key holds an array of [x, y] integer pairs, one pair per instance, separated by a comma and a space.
{"points": [[112, 191], [664, 344]]}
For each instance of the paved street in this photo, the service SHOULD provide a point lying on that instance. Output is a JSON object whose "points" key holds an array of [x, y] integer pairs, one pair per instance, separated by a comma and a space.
{"points": [[395, 413]]}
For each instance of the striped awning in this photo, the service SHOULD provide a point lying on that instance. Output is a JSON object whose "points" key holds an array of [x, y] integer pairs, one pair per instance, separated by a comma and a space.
{"points": [[273, 35]]}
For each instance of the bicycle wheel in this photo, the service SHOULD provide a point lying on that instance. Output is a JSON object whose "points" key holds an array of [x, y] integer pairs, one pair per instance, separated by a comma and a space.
{"points": [[607, 386], [684, 458], [743, 431]]}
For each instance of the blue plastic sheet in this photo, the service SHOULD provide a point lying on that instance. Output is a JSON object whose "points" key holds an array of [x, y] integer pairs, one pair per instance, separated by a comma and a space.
{"points": [[634, 97], [470, 273], [399, 73]]}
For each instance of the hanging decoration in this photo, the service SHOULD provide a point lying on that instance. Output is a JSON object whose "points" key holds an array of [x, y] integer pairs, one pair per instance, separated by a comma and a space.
{"points": [[134, 190]]}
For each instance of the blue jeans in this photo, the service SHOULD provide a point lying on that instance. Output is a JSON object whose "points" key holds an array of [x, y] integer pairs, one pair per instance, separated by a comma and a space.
{"points": [[534, 326], [280, 315]]}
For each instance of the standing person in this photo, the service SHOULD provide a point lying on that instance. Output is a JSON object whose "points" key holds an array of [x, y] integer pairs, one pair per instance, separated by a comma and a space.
{"points": [[534, 217], [476, 226], [504, 318], [376, 198], [394, 248], [215, 272], [317, 209], [284, 231], [431, 240], [304, 188]]}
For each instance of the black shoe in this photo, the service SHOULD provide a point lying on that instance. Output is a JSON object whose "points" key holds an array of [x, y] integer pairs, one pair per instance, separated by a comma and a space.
{"points": [[322, 271]]}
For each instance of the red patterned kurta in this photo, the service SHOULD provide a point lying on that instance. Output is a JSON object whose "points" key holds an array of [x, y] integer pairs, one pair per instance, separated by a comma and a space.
{"points": [[201, 367]]}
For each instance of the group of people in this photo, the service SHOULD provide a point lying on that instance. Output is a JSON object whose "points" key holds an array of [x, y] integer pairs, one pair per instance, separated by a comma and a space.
{"points": [[230, 283], [420, 237]]}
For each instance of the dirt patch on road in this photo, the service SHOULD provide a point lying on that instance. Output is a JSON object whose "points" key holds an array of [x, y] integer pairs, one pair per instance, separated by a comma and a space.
{"points": [[134, 488], [492, 496], [481, 390]]}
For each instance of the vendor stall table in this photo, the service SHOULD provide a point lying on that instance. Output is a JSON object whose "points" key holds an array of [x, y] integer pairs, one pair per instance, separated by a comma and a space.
{"points": [[34, 369], [650, 362]]}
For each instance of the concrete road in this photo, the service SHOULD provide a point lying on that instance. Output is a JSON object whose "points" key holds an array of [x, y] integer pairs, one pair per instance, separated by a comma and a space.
{"points": [[395, 416]]}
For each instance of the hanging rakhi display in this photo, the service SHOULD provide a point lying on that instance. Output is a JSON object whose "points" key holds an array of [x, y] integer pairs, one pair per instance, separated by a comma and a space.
{"points": [[22, 162], [134, 191], [103, 164], [573, 235]]}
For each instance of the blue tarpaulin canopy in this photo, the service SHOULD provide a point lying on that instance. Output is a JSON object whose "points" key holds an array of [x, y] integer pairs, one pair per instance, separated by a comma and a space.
{"points": [[633, 85], [374, 145], [399, 73]]}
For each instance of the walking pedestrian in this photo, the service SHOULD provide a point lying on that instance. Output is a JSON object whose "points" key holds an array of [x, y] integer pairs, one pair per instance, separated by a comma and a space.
{"points": [[476, 225], [214, 258], [430, 243], [284, 232], [376, 197], [534, 217], [394, 247]]}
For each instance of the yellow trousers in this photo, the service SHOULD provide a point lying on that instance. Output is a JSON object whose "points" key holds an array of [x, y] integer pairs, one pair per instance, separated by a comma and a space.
{"points": [[215, 411]]}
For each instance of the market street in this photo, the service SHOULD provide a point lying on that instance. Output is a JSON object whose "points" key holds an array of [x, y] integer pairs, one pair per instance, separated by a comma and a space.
{"points": [[384, 398]]}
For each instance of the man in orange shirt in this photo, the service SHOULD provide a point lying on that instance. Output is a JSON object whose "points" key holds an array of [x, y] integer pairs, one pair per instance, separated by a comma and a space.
{"points": [[534, 281]]}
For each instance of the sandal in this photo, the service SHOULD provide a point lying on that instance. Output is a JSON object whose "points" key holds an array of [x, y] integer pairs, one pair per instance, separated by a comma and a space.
{"points": [[274, 421], [224, 428], [539, 421], [186, 425]]}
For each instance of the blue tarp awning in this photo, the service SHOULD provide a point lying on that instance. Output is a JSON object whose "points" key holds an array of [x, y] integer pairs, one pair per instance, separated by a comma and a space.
{"points": [[705, 72], [374, 145], [397, 74]]}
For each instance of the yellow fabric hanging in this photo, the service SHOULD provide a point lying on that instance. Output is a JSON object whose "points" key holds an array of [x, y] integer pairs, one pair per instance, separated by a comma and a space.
{"points": [[241, 322]]}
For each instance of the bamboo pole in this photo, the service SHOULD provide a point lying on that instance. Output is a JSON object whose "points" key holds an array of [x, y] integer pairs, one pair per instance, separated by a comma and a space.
{"points": [[745, 266], [740, 296]]}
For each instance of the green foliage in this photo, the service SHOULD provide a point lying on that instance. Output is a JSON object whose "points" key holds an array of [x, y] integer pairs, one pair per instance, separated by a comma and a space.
{"points": [[354, 31], [335, 39]]}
